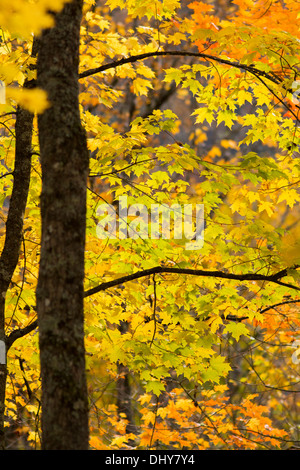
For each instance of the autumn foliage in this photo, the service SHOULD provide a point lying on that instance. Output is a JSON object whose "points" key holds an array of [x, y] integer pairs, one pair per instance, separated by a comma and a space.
{"points": [[182, 104]]}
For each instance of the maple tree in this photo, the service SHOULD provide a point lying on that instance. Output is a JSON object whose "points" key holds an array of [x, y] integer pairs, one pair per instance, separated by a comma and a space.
{"points": [[188, 342]]}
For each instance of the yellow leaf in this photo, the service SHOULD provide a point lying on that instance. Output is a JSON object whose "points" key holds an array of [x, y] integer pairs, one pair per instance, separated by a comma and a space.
{"points": [[33, 100], [290, 248], [23, 17], [96, 443], [266, 206], [215, 324], [141, 86], [290, 196]]}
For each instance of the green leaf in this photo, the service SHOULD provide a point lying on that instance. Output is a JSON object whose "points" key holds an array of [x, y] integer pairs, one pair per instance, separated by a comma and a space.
{"points": [[155, 387], [218, 368], [237, 329]]}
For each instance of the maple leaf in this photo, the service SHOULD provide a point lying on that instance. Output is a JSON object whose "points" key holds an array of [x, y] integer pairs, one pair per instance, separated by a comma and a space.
{"points": [[237, 329]]}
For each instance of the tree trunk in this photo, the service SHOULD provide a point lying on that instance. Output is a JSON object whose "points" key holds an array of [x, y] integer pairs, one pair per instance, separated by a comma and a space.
{"points": [[123, 389], [13, 236], [14, 229], [64, 161]]}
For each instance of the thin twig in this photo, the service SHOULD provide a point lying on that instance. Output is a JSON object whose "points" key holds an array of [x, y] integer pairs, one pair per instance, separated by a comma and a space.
{"points": [[154, 310]]}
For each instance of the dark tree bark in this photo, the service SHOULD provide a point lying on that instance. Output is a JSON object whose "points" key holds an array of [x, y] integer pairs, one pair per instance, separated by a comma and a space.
{"points": [[13, 236], [123, 389], [64, 161], [14, 229]]}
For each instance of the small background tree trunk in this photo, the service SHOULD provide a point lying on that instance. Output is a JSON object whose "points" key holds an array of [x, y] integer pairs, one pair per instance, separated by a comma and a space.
{"points": [[13, 236]]}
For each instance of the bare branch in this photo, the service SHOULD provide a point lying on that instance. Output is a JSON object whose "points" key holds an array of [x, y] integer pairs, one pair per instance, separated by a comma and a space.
{"points": [[275, 278], [208, 57], [19, 333]]}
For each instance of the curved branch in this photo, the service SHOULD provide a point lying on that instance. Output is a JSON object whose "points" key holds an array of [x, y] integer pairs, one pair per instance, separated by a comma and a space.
{"points": [[19, 333], [246, 68], [271, 307], [147, 55], [193, 272]]}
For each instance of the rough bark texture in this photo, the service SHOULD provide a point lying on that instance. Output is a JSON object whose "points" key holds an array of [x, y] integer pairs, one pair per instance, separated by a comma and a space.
{"points": [[14, 227], [64, 161], [123, 389]]}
